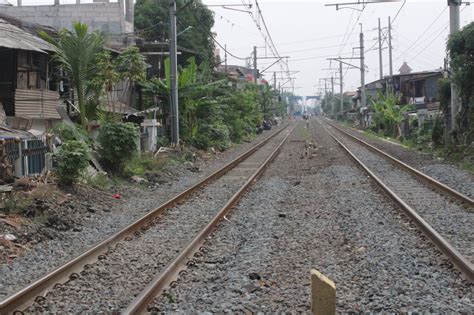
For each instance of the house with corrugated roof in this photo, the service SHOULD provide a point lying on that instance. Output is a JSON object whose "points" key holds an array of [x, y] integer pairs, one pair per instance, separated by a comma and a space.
{"points": [[29, 97], [28, 94]]}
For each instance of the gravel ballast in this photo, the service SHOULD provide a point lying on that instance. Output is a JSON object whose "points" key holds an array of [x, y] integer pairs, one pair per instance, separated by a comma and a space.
{"points": [[94, 224], [445, 215], [441, 170], [110, 284], [314, 208]]}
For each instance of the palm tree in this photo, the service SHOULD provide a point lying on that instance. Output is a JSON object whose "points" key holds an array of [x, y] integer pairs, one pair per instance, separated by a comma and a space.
{"points": [[76, 51]]}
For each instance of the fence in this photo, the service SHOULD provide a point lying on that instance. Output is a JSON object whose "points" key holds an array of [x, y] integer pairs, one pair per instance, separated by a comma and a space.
{"points": [[27, 156]]}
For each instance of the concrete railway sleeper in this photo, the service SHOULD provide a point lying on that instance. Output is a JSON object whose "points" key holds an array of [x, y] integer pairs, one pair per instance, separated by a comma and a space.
{"points": [[443, 220], [75, 286]]}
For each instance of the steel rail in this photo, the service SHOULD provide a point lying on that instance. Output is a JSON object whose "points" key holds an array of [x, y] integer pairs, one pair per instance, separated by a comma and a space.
{"points": [[171, 271], [426, 178], [23, 298], [458, 260]]}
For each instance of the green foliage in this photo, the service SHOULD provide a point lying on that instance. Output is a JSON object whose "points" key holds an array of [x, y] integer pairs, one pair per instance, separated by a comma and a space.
{"points": [[73, 158], [143, 164], [103, 82], [99, 181], [131, 65], [461, 50], [444, 94], [162, 142], [66, 132], [76, 52], [388, 115], [117, 144], [151, 17], [212, 112], [437, 132]]}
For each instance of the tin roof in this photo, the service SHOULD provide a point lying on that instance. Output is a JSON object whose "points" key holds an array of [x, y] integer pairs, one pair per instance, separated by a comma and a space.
{"points": [[14, 37]]}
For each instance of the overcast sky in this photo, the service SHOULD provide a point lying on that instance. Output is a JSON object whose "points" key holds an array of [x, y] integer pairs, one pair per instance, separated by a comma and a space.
{"points": [[309, 32]]}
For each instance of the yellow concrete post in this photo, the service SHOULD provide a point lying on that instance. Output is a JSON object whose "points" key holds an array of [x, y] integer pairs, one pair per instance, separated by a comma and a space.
{"points": [[323, 294]]}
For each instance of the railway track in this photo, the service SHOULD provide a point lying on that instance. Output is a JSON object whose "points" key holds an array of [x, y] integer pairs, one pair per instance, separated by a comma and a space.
{"points": [[108, 276], [443, 214]]}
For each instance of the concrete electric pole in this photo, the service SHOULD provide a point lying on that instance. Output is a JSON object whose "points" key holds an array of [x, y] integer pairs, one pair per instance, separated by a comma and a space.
{"points": [[341, 86], [363, 96], [225, 58], [255, 70], [455, 25], [380, 51], [173, 75], [332, 86], [390, 47]]}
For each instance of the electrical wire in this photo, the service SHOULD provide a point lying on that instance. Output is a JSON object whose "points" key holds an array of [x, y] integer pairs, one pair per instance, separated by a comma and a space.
{"points": [[399, 10], [228, 52], [422, 34], [444, 28]]}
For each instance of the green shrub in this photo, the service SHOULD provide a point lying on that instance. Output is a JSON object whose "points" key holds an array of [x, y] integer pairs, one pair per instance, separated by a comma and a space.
{"points": [[67, 132], [162, 142], [117, 144], [142, 164], [73, 158], [215, 135]]}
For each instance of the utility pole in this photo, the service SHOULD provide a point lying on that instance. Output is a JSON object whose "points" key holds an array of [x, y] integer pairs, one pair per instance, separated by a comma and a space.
{"points": [[341, 85], [173, 75], [225, 58], [255, 71], [363, 96], [332, 93], [326, 92], [380, 51], [332, 86], [390, 47], [454, 27], [390, 57], [274, 80]]}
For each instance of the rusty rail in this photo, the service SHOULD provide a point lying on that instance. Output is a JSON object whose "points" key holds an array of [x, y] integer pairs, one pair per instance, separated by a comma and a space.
{"points": [[23, 298], [170, 273], [427, 179], [461, 262]]}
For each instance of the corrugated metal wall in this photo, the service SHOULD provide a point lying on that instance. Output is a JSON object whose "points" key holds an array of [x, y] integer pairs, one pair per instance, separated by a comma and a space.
{"points": [[37, 104]]}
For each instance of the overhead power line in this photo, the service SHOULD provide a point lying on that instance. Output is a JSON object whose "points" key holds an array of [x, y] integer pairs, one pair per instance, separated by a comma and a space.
{"points": [[422, 34]]}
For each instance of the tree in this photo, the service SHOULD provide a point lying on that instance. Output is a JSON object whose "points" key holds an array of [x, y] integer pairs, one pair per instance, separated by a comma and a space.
{"points": [[106, 76], [151, 16], [131, 68], [461, 50], [76, 52]]}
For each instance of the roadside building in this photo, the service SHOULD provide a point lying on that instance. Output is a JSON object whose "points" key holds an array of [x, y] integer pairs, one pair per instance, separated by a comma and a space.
{"points": [[240, 75], [417, 88], [28, 92], [29, 97], [114, 19]]}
